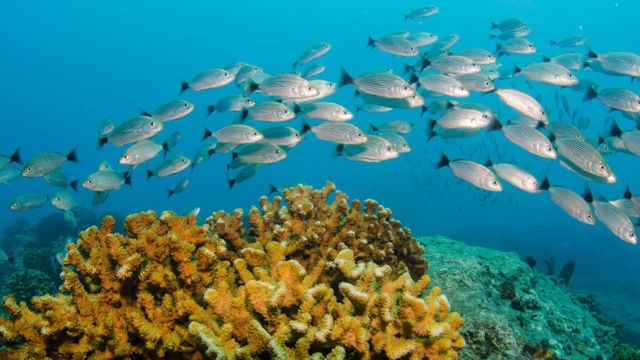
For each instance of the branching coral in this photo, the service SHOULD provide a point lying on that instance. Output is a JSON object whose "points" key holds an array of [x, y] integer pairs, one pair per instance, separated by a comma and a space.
{"points": [[316, 279]]}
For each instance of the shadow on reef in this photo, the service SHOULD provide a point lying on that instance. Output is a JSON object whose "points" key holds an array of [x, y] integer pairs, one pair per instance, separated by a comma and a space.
{"points": [[317, 278]]}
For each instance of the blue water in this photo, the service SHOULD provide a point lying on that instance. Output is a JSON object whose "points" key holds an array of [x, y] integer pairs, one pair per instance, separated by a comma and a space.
{"points": [[65, 68]]}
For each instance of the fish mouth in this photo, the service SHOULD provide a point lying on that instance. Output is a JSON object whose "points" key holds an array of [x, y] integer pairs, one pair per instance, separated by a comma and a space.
{"points": [[611, 179]]}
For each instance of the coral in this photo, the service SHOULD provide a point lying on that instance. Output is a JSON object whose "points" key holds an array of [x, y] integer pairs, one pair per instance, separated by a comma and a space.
{"points": [[27, 283], [39, 259], [316, 279]]}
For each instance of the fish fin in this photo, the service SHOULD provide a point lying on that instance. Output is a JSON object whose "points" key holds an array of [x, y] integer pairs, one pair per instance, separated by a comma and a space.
{"points": [[444, 161], [272, 189], [305, 127], [127, 177], [500, 54], [406, 68], [72, 156], [431, 134], [627, 193], [413, 79], [552, 138], [358, 108], [587, 195], [234, 155], [74, 185], [211, 151], [494, 125], [243, 115], [339, 150], [600, 140], [183, 86], [546, 58], [545, 184], [423, 109], [345, 78], [296, 108], [592, 54], [371, 42], [165, 148], [102, 141], [586, 64], [540, 125], [231, 182], [494, 26], [373, 128], [170, 193], [406, 17], [615, 130], [15, 156], [553, 42], [516, 70], [488, 163], [590, 94], [149, 174], [253, 86], [145, 113], [210, 110], [431, 123], [424, 63], [207, 133]]}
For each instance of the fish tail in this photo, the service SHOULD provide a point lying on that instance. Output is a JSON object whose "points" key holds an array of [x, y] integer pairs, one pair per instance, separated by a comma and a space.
{"points": [[516, 70], [545, 58], [408, 69], [253, 86], [207, 134], [72, 156], [145, 113], [553, 42], [170, 193], [211, 151], [489, 162], [339, 150], [373, 127], [210, 110], [545, 184], [615, 130], [296, 108], [15, 156], [423, 109], [345, 78], [494, 26], [165, 148], [431, 134], [444, 161], [371, 42], [590, 94], [358, 108], [627, 193], [587, 195], [231, 182], [494, 125], [413, 78], [74, 185], [273, 189], [102, 141], [127, 177], [11, 259], [183, 86], [424, 63], [149, 174], [305, 127], [431, 124], [592, 54]]}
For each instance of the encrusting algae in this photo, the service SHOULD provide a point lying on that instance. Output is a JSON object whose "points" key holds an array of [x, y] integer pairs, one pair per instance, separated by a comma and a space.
{"points": [[315, 279]]}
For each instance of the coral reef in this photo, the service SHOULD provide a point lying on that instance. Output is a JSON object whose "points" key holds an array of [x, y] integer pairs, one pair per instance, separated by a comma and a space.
{"points": [[40, 259], [512, 311], [314, 279], [27, 283]]}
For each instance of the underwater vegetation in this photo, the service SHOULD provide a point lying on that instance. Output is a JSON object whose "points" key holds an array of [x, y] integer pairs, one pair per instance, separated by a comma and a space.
{"points": [[316, 278]]}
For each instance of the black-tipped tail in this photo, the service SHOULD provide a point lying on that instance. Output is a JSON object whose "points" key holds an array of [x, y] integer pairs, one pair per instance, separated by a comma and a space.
{"points": [[102, 141], [545, 184], [170, 193], [149, 174], [516, 70], [206, 135], [590, 94], [244, 114], [211, 151], [305, 127], [145, 113], [339, 150], [444, 161], [127, 177], [183, 86], [210, 110], [231, 183], [494, 125], [546, 58], [371, 42], [74, 185], [615, 130], [627, 193], [494, 26], [592, 54], [423, 109], [345, 78], [424, 63], [358, 109], [72, 155], [373, 128], [408, 69], [253, 87], [15, 156], [588, 195], [273, 189]]}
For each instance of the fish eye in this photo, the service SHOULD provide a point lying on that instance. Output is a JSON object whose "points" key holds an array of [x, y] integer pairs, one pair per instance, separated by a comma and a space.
{"points": [[255, 133], [185, 105], [359, 134], [485, 116], [570, 75], [405, 88], [153, 123], [632, 235], [226, 74], [277, 151], [412, 49], [602, 168], [486, 84], [89, 181], [344, 112], [530, 46], [330, 85], [549, 149], [388, 148], [589, 216], [541, 112], [286, 112], [494, 182]]}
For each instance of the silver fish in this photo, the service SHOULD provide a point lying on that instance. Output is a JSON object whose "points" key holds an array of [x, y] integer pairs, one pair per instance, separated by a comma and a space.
{"points": [[622, 63], [413, 101], [8, 174], [531, 140], [210, 79], [105, 180], [573, 204], [420, 39], [517, 177], [259, 153], [170, 166], [63, 200], [570, 41], [381, 84], [246, 172], [475, 174], [510, 24], [584, 159], [271, 111], [516, 46], [204, 153], [443, 85], [171, 141], [231, 103], [325, 89], [172, 110], [326, 111], [479, 56], [375, 149], [374, 108], [248, 72], [140, 152], [179, 188], [454, 64], [288, 86], [523, 103], [235, 134], [57, 178], [394, 44], [235, 67], [549, 73], [399, 143], [132, 130], [561, 129], [421, 12], [313, 70], [106, 127], [616, 221], [463, 119], [338, 132], [477, 82], [571, 61], [394, 126], [619, 99], [46, 162], [312, 53], [7, 159], [28, 202], [282, 136]]}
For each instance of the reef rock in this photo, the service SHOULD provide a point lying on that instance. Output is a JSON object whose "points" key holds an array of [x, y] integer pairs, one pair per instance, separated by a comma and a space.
{"points": [[512, 311]]}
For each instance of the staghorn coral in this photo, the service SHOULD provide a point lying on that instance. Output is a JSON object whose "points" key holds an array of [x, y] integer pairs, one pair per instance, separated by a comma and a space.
{"points": [[305, 281]]}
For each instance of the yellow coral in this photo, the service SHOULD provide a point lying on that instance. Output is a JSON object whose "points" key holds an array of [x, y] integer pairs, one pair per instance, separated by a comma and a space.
{"points": [[314, 279]]}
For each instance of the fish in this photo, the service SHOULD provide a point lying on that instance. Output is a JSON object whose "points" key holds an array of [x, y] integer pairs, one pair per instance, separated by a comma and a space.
{"points": [[205, 151], [106, 127], [523, 103], [394, 44], [234, 134], [282, 136], [394, 126], [313, 70], [172, 110], [210, 79], [326, 111], [439, 107], [99, 198], [622, 63], [571, 61], [13, 158], [381, 84], [133, 130], [454, 64], [63, 200], [506, 35], [584, 159], [477, 82], [616, 98], [194, 212], [531, 140], [472, 172], [570, 41], [140, 152], [548, 73], [479, 56], [516, 46], [59, 179], [259, 153], [312, 53], [106, 180], [510, 24], [46, 162], [375, 149], [6, 258], [325, 89], [231, 103], [28, 202], [247, 72], [516, 176], [561, 129], [171, 141], [421, 12], [572, 203], [170, 166], [373, 108], [443, 85], [8, 174], [246, 172], [288, 86], [463, 119], [235, 67], [271, 111], [616, 221], [337, 132], [627, 206], [179, 188], [525, 121], [399, 143], [413, 101], [421, 39]]}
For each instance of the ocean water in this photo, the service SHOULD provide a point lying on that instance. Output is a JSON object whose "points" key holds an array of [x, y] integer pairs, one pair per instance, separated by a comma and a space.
{"points": [[67, 66]]}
